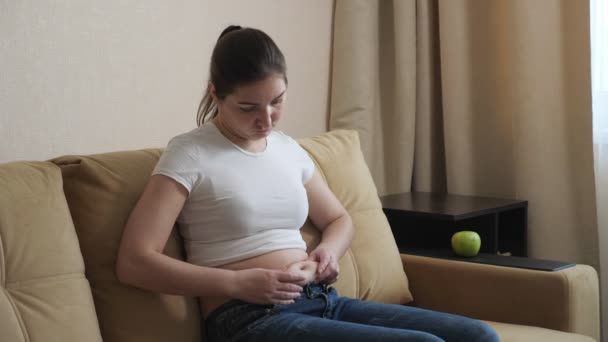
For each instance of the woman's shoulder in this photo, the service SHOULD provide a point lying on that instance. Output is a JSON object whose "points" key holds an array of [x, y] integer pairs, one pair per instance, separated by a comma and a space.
{"points": [[194, 136], [190, 142]]}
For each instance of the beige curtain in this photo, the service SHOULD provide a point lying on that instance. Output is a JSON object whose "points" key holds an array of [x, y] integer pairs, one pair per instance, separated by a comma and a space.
{"points": [[480, 97]]}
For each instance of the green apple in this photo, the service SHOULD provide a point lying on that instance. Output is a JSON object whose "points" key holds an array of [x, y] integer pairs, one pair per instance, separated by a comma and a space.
{"points": [[466, 243]]}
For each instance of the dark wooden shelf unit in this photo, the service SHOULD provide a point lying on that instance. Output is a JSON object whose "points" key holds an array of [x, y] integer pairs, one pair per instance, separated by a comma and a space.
{"points": [[422, 220]]}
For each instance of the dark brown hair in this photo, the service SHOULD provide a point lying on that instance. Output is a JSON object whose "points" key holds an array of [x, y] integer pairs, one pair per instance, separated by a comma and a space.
{"points": [[241, 56]]}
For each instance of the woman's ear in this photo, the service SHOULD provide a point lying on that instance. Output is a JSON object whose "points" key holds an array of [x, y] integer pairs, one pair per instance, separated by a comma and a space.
{"points": [[211, 90]]}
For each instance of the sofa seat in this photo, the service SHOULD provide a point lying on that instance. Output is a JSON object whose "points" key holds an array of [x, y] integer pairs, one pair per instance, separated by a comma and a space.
{"points": [[525, 333]]}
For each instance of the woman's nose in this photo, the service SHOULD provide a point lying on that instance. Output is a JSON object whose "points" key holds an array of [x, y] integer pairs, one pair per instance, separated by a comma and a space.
{"points": [[265, 118]]}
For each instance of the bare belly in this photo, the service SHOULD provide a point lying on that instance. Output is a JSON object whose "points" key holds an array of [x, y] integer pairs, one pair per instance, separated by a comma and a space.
{"points": [[277, 260]]}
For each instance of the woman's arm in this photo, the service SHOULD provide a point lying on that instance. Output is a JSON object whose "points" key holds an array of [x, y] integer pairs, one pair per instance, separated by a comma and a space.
{"points": [[141, 263], [332, 219]]}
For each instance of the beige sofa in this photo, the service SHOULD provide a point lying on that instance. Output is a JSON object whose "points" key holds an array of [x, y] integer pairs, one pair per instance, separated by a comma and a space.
{"points": [[61, 222]]}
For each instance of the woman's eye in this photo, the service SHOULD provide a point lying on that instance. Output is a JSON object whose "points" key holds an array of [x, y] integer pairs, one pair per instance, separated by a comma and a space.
{"points": [[247, 109], [277, 101]]}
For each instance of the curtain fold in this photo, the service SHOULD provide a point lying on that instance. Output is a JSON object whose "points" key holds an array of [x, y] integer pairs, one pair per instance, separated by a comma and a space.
{"points": [[367, 81], [429, 173], [488, 98]]}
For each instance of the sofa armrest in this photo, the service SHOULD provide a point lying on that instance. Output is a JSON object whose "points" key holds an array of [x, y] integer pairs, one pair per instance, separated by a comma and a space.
{"points": [[565, 300]]}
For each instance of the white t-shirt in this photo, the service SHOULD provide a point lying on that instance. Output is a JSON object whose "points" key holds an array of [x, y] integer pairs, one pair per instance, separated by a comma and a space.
{"points": [[240, 204]]}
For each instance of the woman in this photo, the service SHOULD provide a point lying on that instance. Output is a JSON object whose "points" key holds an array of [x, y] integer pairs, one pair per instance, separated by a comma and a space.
{"points": [[240, 193]]}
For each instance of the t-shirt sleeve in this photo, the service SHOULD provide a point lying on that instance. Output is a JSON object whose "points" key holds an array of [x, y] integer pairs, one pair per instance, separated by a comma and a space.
{"points": [[308, 166], [304, 161], [179, 162]]}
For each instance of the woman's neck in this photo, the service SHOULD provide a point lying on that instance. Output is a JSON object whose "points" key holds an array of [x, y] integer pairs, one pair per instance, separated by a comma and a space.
{"points": [[254, 146]]}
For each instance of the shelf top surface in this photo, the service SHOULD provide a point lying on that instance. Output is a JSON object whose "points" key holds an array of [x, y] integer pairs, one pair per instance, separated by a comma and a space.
{"points": [[448, 206], [493, 259]]}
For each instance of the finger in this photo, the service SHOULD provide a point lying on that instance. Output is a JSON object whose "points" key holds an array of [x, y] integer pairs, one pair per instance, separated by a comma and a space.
{"points": [[332, 279], [322, 265], [323, 277], [289, 277], [326, 267], [290, 287], [286, 296], [330, 272]]}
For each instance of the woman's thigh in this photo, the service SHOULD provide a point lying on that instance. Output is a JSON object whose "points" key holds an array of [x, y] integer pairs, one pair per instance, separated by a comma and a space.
{"points": [[446, 326], [296, 327]]}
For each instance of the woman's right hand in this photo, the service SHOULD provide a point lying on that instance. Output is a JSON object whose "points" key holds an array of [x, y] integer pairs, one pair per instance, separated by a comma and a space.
{"points": [[266, 286]]}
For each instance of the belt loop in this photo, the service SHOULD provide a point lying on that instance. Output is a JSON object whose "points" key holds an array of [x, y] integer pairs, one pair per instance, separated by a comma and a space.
{"points": [[308, 291]]}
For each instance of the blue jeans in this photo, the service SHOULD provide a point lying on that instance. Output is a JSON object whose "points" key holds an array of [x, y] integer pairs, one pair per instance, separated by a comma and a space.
{"points": [[320, 315]]}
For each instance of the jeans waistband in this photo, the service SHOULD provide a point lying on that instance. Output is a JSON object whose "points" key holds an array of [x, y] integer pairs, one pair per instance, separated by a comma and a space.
{"points": [[313, 290]]}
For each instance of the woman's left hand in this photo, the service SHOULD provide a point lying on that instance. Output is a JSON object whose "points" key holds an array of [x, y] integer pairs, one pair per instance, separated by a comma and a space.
{"points": [[328, 269]]}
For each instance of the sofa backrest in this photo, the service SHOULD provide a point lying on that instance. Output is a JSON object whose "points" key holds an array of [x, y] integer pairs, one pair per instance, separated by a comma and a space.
{"points": [[371, 269], [45, 296], [102, 189]]}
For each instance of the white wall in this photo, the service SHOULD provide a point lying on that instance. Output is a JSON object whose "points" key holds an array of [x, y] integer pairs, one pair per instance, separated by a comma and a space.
{"points": [[81, 77]]}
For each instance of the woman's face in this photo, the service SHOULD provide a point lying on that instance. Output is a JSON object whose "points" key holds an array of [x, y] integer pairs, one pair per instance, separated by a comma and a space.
{"points": [[253, 109]]}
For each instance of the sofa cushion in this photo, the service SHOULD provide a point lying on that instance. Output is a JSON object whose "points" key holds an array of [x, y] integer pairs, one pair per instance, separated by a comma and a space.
{"points": [[371, 269], [102, 190], [524, 333], [45, 295]]}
